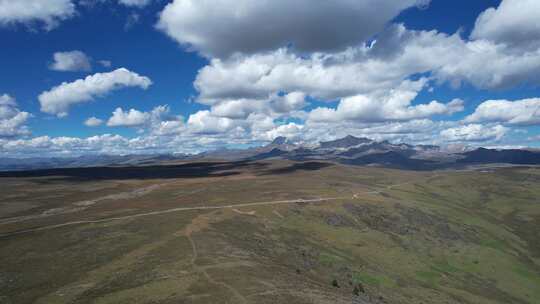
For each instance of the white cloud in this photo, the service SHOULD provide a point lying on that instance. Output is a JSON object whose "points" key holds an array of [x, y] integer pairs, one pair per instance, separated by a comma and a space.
{"points": [[105, 63], [219, 28], [519, 112], [420, 131], [204, 122], [275, 105], [394, 130], [158, 121], [267, 61], [474, 133], [262, 75], [392, 106], [110, 144], [168, 127], [59, 99], [259, 123], [6, 100], [373, 82], [131, 118], [47, 12], [237, 108], [135, 3], [290, 102], [93, 122], [203, 132], [14, 126], [381, 66], [514, 22], [70, 61], [291, 130], [12, 120], [67, 145], [489, 66]]}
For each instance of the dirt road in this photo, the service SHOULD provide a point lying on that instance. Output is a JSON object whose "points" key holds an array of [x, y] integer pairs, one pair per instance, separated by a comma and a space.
{"points": [[232, 206]]}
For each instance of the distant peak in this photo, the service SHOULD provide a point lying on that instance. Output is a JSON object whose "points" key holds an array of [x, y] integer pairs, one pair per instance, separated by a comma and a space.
{"points": [[347, 141], [279, 140]]}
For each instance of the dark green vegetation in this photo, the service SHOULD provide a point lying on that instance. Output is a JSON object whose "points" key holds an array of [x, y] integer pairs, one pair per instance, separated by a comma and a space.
{"points": [[386, 236]]}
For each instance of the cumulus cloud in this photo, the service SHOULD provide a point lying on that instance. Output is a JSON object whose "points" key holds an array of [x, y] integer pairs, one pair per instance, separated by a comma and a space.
{"points": [[70, 61], [6, 100], [237, 108], [289, 102], [131, 118], [291, 131], [491, 66], [268, 60], [168, 127], [397, 55], [12, 120], [224, 27], [392, 106], [514, 22], [93, 122], [519, 112], [59, 99], [205, 123], [157, 121], [261, 75], [474, 133], [275, 105], [374, 81], [49, 13]]}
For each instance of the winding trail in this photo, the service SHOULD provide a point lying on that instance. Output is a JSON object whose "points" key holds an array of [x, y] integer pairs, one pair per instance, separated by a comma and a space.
{"points": [[199, 269], [199, 223], [231, 206], [296, 201]]}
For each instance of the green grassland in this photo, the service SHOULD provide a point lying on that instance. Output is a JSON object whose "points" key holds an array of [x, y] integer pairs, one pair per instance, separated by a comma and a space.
{"points": [[388, 236]]}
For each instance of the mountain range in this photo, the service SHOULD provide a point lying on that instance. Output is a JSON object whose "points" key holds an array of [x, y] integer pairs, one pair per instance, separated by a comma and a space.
{"points": [[348, 150]]}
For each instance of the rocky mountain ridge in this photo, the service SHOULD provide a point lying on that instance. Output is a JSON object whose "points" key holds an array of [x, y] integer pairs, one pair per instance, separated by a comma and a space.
{"points": [[348, 150]]}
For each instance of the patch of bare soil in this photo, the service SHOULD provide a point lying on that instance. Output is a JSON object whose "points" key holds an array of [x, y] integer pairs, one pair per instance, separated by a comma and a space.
{"points": [[244, 212], [83, 205]]}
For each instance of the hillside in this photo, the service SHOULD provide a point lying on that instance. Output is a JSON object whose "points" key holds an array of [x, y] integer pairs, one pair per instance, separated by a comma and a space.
{"points": [[270, 232]]}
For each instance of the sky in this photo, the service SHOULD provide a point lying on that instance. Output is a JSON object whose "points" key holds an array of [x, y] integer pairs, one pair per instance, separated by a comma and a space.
{"points": [[185, 76]]}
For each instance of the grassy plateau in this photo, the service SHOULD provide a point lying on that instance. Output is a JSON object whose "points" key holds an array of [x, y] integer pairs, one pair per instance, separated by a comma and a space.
{"points": [[270, 232]]}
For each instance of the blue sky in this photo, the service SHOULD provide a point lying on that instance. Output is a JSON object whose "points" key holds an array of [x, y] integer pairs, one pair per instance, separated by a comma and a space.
{"points": [[233, 73], [140, 48]]}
